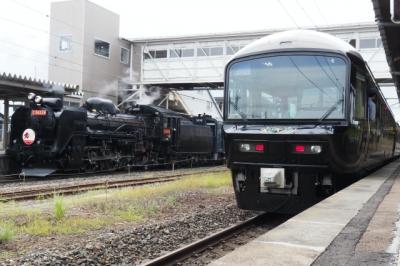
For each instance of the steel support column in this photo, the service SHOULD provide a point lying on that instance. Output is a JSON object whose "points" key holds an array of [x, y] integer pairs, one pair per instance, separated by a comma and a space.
{"points": [[6, 123]]}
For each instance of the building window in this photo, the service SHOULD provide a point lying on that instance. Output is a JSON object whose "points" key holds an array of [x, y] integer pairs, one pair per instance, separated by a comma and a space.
{"points": [[232, 49], [65, 43], [210, 51], [203, 51], [155, 54], [367, 43], [124, 56], [173, 53], [379, 42], [352, 42], [370, 43], [102, 48], [215, 51]]}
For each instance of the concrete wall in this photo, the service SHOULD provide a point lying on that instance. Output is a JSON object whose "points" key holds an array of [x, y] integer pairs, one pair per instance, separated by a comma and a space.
{"points": [[68, 18], [96, 75], [102, 74]]}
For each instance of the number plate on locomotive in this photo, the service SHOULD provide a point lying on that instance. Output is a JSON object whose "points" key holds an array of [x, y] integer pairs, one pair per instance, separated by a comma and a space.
{"points": [[39, 112], [271, 178]]}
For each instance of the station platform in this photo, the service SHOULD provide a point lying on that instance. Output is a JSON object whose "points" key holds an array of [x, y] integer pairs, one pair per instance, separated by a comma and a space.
{"points": [[358, 225]]}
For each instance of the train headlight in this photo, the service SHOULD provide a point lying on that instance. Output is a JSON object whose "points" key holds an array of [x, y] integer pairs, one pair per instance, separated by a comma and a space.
{"points": [[38, 99], [307, 149], [251, 147], [31, 96], [245, 147], [315, 149]]}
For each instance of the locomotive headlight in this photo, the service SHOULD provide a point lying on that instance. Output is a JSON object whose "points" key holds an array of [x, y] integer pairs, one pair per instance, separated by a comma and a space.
{"points": [[31, 96], [245, 147], [315, 149], [38, 99]]}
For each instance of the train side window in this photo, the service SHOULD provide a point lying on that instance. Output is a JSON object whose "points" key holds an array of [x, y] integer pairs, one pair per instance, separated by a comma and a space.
{"points": [[359, 83]]}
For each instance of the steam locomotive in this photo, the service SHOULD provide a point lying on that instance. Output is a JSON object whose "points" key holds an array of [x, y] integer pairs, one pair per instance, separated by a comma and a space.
{"points": [[46, 137], [303, 117]]}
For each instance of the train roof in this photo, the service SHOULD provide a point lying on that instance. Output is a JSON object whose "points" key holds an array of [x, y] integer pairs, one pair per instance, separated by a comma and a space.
{"points": [[297, 40]]}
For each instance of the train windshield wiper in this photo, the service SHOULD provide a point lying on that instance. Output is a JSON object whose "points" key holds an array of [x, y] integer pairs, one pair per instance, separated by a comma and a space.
{"points": [[329, 111], [235, 106]]}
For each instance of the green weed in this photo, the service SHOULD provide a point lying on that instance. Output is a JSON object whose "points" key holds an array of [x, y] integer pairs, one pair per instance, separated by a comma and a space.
{"points": [[59, 208]]}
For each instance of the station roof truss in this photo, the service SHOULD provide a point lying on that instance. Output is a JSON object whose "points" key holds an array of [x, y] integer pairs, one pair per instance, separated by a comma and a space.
{"points": [[390, 33], [14, 86]]}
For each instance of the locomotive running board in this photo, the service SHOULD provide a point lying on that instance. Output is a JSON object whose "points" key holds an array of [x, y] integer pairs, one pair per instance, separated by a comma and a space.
{"points": [[37, 172]]}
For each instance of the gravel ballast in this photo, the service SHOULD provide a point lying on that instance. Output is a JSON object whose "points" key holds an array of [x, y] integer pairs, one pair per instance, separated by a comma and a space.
{"points": [[194, 216]]}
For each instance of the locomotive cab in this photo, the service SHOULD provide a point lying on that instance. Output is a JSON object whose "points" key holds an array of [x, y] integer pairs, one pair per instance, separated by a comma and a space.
{"points": [[41, 131]]}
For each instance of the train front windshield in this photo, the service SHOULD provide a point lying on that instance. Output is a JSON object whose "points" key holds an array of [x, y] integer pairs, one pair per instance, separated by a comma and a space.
{"points": [[287, 87]]}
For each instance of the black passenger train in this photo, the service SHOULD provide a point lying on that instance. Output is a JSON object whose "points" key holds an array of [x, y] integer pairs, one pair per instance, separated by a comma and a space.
{"points": [[303, 115], [46, 136]]}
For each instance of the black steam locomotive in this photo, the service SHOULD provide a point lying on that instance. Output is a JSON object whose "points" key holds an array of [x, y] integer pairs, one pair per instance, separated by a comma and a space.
{"points": [[46, 136], [303, 116]]}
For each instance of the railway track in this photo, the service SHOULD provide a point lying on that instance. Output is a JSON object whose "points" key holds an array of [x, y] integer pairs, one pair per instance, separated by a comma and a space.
{"points": [[16, 177], [66, 189], [220, 243]]}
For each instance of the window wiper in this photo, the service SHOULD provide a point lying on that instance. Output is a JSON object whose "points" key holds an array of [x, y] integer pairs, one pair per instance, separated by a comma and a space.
{"points": [[242, 115], [329, 111], [325, 115]]}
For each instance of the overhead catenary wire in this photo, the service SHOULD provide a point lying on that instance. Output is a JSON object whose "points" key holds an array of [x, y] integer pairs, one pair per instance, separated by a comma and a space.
{"points": [[320, 12], [28, 7], [287, 13], [57, 58], [63, 67], [39, 51], [307, 15]]}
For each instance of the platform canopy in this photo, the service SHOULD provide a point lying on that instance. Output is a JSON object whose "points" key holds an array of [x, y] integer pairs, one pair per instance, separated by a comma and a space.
{"points": [[13, 86], [16, 88], [390, 34]]}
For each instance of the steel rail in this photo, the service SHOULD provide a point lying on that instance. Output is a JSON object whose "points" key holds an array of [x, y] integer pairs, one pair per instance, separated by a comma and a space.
{"points": [[28, 194], [187, 251]]}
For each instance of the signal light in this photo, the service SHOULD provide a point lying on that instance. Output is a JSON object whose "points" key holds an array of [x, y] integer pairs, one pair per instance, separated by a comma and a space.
{"points": [[299, 148], [259, 147]]}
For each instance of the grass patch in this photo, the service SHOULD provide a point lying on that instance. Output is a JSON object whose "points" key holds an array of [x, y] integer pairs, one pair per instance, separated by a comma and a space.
{"points": [[96, 209], [59, 208], [6, 233]]}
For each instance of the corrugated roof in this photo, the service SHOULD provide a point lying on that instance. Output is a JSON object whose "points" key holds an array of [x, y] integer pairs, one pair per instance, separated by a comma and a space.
{"points": [[36, 82], [13, 85]]}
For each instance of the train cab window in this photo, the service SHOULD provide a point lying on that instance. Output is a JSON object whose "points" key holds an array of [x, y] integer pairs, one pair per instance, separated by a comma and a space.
{"points": [[359, 85], [313, 88]]}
